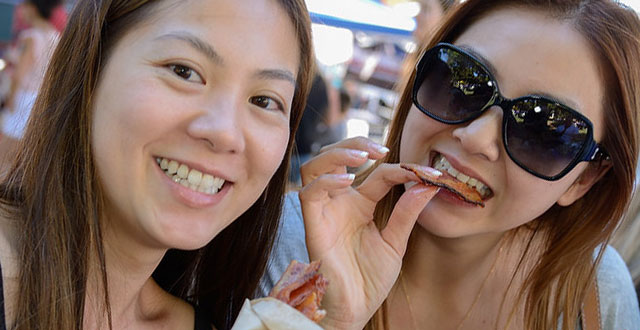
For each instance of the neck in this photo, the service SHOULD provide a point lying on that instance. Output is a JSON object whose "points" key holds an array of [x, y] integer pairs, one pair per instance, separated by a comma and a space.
{"points": [[449, 261], [448, 277], [133, 294]]}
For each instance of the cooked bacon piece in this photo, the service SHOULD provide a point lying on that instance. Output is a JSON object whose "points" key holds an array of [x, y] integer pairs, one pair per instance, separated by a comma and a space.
{"points": [[302, 287], [446, 181]]}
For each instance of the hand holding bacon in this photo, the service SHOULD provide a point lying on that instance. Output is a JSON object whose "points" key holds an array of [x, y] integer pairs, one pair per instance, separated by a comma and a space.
{"points": [[361, 259]]}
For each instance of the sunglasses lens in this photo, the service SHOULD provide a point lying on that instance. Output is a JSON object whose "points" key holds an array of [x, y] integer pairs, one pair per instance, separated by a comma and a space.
{"points": [[543, 136], [451, 86]]}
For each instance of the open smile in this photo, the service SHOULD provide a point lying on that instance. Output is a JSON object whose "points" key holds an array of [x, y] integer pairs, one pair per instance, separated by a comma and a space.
{"points": [[190, 178]]}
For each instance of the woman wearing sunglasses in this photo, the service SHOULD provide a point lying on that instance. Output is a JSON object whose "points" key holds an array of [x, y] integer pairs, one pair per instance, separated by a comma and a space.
{"points": [[534, 105]]}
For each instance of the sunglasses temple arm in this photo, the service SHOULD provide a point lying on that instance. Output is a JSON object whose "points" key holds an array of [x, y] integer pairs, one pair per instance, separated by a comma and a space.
{"points": [[596, 153]]}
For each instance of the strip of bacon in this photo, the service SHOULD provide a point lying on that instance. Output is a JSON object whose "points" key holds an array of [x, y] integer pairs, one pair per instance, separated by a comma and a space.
{"points": [[302, 287], [460, 189]]}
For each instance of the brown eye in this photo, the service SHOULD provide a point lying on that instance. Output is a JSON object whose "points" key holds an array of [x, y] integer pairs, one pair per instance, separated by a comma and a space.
{"points": [[266, 103], [186, 73]]}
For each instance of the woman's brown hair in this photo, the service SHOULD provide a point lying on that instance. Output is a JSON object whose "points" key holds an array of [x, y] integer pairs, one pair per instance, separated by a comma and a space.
{"points": [[54, 198], [571, 234]]}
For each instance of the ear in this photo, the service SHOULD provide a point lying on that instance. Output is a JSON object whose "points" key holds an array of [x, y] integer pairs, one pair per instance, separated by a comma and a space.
{"points": [[585, 181]]}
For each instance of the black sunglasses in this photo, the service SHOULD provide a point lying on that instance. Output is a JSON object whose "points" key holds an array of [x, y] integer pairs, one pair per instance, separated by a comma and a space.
{"points": [[544, 137]]}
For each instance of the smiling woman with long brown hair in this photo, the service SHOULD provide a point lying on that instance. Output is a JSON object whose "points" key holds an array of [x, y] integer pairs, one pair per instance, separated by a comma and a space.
{"points": [[148, 136]]}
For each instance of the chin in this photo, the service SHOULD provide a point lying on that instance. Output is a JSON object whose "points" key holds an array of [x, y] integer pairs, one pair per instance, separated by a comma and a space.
{"points": [[192, 241], [190, 245], [190, 234], [441, 226]]}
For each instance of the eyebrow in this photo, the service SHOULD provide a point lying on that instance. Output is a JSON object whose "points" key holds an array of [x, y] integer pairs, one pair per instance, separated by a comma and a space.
{"points": [[276, 74], [207, 50], [195, 42]]}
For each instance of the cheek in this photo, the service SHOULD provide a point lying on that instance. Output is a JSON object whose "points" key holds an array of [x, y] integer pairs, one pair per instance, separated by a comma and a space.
{"points": [[528, 197], [119, 123], [407, 143], [417, 132], [269, 146]]}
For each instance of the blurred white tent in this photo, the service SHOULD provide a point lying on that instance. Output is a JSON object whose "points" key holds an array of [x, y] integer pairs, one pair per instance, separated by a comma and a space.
{"points": [[360, 15]]}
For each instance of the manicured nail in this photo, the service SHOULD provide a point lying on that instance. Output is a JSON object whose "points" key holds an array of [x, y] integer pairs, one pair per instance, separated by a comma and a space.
{"points": [[383, 149], [359, 153], [423, 189], [431, 170], [347, 176]]}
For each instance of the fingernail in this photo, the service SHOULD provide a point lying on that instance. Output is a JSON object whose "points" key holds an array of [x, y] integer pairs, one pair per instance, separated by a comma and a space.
{"points": [[434, 171], [383, 149], [347, 176], [423, 189], [359, 153], [431, 170]]}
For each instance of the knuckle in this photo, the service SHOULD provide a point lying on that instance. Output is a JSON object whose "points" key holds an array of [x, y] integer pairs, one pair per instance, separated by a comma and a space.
{"points": [[360, 139]]}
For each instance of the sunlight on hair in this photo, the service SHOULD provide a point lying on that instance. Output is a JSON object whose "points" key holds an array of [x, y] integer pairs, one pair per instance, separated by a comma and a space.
{"points": [[635, 4]]}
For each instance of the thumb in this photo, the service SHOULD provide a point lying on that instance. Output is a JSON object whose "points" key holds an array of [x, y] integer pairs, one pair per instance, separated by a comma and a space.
{"points": [[404, 216]]}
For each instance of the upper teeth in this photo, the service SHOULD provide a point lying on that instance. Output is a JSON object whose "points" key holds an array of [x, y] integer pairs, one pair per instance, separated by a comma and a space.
{"points": [[443, 164], [193, 179]]}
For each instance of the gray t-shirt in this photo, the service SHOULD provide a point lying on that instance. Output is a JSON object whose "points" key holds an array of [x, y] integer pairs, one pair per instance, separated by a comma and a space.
{"points": [[618, 301]]}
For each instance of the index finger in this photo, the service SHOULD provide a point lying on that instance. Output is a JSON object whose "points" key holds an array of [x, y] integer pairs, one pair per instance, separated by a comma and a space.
{"points": [[375, 150], [332, 161]]}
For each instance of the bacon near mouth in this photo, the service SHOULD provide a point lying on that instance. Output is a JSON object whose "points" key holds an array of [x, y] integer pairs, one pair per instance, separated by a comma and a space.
{"points": [[302, 287], [460, 189]]}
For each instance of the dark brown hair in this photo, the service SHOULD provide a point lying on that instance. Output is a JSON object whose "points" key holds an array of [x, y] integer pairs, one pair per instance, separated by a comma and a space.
{"points": [[53, 196], [557, 284]]}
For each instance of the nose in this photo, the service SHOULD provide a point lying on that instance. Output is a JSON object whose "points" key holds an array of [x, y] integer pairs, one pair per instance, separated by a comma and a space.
{"points": [[482, 135], [219, 125]]}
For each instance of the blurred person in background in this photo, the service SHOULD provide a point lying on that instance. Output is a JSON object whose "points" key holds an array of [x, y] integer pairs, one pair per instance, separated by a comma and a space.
{"points": [[323, 122], [336, 121], [58, 18], [313, 126], [340, 112], [28, 61]]}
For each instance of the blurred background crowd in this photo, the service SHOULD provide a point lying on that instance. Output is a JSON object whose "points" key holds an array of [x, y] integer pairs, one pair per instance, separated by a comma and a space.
{"points": [[360, 47]]}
